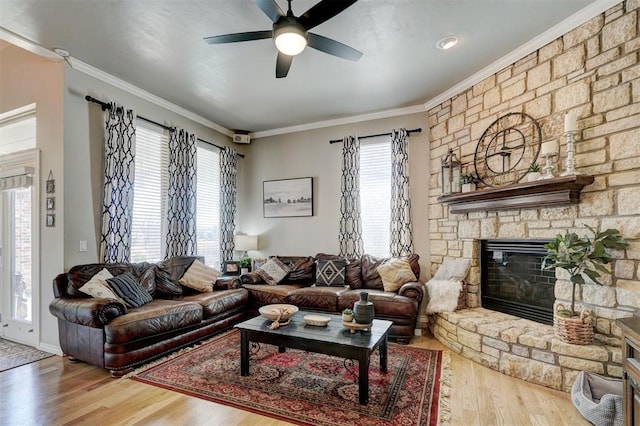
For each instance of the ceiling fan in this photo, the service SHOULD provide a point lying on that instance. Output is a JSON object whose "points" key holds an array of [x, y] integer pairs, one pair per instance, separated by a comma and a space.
{"points": [[291, 34]]}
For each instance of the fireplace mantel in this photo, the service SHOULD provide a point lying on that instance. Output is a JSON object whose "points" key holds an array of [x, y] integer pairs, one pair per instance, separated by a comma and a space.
{"points": [[540, 193]]}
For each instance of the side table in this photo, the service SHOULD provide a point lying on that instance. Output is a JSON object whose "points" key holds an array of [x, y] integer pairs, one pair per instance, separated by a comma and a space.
{"points": [[630, 369]]}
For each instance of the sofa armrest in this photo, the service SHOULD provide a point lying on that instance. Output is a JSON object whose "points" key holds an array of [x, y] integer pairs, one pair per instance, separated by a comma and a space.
{"points": [[227, 283], [413, 290], [92, 312]]}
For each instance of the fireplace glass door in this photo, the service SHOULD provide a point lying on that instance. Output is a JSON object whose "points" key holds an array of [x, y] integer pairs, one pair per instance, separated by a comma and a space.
{"points": [[512, 279]]}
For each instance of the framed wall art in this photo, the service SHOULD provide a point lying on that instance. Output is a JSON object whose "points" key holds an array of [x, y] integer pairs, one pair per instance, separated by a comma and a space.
{"points": [[288, 197]]}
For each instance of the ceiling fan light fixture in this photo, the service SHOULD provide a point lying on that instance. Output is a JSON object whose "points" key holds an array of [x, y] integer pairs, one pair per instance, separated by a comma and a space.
{"points": [[447, 42], [290, 39]]}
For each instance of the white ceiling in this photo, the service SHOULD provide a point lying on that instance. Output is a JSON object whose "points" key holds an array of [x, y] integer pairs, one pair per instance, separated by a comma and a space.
{"points": [[157, 46]]}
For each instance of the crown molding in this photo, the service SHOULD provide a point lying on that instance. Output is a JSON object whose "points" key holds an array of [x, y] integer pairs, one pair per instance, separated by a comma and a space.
{"points": [[148, 96], [92, 71], [340, 121], [28, 45], [531, 46]]}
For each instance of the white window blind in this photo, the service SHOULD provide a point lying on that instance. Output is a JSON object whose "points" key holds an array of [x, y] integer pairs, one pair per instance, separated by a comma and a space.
{"points": [[208, 204], [150, 193], [375, 194]]}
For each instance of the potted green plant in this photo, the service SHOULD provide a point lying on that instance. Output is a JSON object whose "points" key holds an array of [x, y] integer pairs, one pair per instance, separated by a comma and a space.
{"points": [[347, 315], [468, 181], [534, 172], [580, 257], [245, 265]]}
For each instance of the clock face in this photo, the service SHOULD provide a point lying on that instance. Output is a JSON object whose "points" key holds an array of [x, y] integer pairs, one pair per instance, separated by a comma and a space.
{"points": [[507, 148]]}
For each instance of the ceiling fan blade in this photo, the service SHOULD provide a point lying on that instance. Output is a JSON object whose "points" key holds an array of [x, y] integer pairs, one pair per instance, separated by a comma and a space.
{"points": [[283, 63], [322, 12], [333, 47], [236, 37], [270, 8]]}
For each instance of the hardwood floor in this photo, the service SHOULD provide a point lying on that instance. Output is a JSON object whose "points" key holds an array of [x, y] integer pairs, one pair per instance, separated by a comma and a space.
{"points": [[56, 392]]}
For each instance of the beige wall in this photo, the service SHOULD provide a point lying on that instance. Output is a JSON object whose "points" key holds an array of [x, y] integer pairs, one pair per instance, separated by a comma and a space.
{"points": [[309, 153], [593, 71], [26, 78]]}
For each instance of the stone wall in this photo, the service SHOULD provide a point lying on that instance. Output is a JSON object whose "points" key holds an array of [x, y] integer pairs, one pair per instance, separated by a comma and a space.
{"points": [[593, 71]]}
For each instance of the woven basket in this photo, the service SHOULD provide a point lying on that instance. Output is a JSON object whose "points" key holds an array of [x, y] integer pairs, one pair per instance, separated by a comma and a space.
{"points": [[574, 330]]}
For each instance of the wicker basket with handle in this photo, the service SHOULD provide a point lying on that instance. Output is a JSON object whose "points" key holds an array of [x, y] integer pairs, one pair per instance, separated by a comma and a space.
{"points": [[577, 330]]}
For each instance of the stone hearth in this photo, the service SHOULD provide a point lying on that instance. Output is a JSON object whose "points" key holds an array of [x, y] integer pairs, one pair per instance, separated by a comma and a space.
{"points": [[522, 348]]}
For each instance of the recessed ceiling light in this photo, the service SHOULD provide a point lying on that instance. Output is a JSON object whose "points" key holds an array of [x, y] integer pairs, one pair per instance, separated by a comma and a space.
{"points": [[447, 42], [61, 52]]}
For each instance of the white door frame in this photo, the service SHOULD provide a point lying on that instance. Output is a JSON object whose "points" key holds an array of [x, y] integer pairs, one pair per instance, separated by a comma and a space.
{"points": [[29, 158]]}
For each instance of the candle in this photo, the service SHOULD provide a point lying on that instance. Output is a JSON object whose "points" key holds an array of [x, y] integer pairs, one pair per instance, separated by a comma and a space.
{"points": [[549, 148], [570, 122]]}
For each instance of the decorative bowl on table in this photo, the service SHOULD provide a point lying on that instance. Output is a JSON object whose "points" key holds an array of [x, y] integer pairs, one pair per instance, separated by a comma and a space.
{"points": [[316, 320], [282, 312]]}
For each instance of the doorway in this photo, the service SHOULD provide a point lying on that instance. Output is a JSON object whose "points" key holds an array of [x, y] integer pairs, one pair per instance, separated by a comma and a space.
{"points": [[19, 230]]}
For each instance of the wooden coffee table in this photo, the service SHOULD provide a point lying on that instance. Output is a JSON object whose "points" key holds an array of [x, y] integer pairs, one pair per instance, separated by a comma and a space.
{"points": [[334, 340]]}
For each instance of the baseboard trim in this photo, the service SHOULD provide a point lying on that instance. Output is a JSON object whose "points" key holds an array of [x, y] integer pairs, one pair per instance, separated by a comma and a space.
{"points": [[52, 349]]}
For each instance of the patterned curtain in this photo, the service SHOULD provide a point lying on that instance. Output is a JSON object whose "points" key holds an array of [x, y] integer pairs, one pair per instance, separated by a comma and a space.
{"points": [[228, 195], [401, 239], [181, 197], [350, 234], [119, 171]]}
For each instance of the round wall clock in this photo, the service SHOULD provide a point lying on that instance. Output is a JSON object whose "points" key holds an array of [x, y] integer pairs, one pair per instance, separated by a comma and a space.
{"points": [[507, 148]]}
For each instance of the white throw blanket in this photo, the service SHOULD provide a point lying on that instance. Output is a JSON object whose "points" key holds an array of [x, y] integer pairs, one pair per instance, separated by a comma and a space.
{"points": [[443, 295]]}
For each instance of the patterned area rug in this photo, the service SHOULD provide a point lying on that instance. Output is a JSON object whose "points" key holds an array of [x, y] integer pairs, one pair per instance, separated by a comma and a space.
{"points": [[14, 355], [307, 388]]}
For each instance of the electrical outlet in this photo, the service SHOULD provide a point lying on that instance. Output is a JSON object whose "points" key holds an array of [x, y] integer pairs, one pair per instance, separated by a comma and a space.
{"points": [[83, 246]]}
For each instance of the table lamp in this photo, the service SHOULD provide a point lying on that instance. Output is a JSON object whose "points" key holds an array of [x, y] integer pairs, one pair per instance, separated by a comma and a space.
{"points": [[245, 243]]}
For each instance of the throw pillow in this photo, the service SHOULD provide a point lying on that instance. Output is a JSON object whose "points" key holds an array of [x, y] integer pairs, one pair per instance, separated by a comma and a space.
{"points": [[301, 268], [273, 271], [353, 273], [443, 295], [127, 287], [395, 273], [165, 286], [97, 286], [200, 277], [331, 272], [453, 269]]}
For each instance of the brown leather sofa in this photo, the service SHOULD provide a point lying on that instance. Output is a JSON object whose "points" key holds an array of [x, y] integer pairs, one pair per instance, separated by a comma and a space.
{"points": [[106, 333], [401, 307]]}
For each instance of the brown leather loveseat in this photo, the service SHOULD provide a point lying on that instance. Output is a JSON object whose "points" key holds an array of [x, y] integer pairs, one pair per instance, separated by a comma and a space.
{"points": [[106, 333], [298, 288]]}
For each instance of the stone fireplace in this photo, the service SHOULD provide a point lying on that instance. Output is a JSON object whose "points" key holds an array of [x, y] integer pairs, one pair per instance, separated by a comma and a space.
{"points": [[512, 280], [592, 70]]}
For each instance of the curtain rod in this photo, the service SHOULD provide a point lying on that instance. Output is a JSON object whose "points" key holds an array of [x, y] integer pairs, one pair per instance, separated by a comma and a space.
{"points": [[106, 105], [418, 130]]}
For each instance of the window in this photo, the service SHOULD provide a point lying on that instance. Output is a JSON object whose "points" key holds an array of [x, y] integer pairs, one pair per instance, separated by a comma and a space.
{"points": [[150, 185], [208, 204], [375, 195]]}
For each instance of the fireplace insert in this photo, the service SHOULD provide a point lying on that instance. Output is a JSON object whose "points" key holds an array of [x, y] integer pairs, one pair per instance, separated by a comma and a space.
{"points": [[512, 279]]}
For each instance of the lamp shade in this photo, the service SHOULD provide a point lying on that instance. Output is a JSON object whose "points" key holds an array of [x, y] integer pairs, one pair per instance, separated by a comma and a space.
{"points": [[246, 242]]}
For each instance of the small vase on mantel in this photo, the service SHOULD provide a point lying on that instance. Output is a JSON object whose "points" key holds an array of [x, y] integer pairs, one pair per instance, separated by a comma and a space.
{"points": [[363, 309]]}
